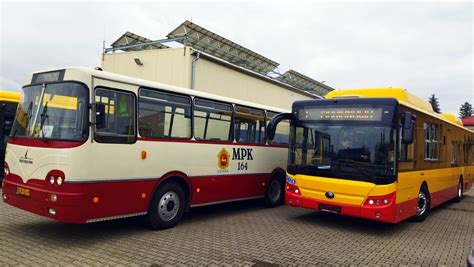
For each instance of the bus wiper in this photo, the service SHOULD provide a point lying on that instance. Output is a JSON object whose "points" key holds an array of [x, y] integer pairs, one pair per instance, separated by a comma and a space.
{"points": [[44, 116]]}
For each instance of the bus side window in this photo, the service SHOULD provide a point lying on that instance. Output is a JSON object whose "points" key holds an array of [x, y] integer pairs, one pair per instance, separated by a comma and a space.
{"points": [[119, 124], [212, 120], [282, 131], [249, 125], [164, 115]]}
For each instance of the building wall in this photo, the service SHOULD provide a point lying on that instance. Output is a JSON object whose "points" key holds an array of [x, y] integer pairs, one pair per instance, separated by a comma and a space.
{"points": [[170, 66], [174, 66], [217, 79]]}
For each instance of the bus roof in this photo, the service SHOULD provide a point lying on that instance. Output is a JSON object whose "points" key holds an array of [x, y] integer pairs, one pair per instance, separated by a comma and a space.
{"points": [[402, 95], [155, 85], [10, 96]]}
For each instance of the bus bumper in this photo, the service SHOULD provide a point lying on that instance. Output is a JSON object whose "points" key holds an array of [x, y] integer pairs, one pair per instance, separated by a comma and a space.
{"points": [[36, 198], [383, 213]]}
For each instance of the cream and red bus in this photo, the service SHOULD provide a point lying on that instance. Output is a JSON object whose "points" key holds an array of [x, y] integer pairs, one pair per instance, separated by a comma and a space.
{"points": [[379, 154], [88, 145]]}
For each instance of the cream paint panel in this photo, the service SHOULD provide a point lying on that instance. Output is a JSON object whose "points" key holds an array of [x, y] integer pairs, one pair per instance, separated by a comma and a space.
{"points": [[216, 79], [98, 161], [43, 160], [170, 66]]}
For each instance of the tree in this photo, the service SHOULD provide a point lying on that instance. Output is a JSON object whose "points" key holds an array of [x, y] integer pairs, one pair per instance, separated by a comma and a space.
{"points": [[465, 110], [434, 103]]}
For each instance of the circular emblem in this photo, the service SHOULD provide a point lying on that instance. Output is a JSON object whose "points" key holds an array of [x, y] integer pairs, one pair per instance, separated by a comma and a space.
{"points": [[329, 194], [223, 159]]}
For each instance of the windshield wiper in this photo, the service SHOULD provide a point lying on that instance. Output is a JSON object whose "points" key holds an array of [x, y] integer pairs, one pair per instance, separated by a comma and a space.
{"points": [[44, 116]]}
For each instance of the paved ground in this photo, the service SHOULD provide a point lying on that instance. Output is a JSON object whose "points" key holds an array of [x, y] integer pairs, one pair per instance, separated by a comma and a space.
{"points": [[242, 233]]}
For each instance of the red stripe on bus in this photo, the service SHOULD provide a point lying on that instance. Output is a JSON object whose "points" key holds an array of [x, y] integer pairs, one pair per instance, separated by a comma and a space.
{"points": [[46, 144], [75, 201]]}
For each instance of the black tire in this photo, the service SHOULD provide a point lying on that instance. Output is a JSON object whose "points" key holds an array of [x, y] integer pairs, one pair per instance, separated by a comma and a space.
{"points": [[275, 195], [166, 207], [460, 191], [424, 205]]}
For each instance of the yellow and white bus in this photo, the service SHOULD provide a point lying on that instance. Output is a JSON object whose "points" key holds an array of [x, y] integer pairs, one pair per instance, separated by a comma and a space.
{"points": [[88, 145], [8, 104], [380, 154]]}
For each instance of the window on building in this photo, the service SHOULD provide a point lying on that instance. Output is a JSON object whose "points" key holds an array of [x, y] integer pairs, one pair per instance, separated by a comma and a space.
{"points": [[118, 125], [164, 115], [282, 131], [432, 143], [249, 125], [212, 120]]}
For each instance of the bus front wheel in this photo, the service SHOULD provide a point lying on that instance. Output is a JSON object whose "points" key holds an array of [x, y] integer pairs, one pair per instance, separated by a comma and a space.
{"points": [[424, 204], [167, 206], [275, 194]]}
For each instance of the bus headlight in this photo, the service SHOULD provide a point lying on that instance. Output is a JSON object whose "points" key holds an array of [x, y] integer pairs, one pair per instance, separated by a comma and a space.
{"points": [[56, 177]]}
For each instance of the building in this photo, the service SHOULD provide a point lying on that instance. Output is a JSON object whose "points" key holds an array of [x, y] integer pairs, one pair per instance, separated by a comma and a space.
{"points": [[208, 62], [469, 122]]}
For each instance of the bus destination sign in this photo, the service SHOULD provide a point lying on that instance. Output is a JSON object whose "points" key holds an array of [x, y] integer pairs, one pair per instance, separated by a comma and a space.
{"points": [[341, 113]]}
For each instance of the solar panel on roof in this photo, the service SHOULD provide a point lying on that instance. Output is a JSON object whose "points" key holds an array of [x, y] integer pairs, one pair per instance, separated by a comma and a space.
{"points": [[304, 82], [206, 41], [130, 38]]}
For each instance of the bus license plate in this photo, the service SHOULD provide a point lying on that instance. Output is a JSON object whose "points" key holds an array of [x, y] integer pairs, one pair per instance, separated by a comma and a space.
{"points": [[23, 191], [329, 208]]}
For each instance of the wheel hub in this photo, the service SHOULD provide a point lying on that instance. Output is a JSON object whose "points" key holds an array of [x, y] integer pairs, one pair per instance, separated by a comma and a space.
{"points": [[422, 203], [168, 206]]}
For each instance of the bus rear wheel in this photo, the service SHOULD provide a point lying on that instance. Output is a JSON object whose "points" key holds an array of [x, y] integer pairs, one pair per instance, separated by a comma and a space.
{"points": [[167, 206], [460, 191], [275, 194], [424, 204]]}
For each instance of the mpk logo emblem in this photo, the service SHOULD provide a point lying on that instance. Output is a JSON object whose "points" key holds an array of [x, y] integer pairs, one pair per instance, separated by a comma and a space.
{"points": [[223, 159]]}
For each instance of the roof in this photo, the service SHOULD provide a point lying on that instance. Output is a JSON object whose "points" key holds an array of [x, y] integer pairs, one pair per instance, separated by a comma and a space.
{"points": [[206, 41], [469, 121], [130, 38], [10, 96], [304, 82]]}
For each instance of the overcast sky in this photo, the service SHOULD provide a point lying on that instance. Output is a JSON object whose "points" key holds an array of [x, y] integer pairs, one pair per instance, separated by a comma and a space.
{"points": [[424, 47]]}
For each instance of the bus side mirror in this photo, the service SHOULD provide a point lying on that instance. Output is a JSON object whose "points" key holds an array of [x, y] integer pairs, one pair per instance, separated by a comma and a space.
{"points": [[271, 128], [408, 129], [99, 115]]}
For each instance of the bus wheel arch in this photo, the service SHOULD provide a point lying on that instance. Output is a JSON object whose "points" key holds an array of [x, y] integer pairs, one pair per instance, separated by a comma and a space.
{"points": [[275, 190], [423, 207], [460, 189], [179, 178]]}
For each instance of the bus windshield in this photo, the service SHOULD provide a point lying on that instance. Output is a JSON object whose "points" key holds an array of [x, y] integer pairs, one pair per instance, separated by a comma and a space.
{"points": [[356, 152], [56, 111]]}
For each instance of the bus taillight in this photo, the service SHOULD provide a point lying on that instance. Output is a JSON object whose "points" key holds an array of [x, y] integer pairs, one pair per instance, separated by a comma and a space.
{"points": [[376, 201]]}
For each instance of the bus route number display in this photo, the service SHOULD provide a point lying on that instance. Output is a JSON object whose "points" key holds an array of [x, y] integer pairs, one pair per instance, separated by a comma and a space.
{"points": [[342, 113]]}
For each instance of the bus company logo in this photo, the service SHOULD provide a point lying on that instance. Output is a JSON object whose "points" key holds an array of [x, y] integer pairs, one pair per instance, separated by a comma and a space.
{"points": [[223, 159], [25, 159]]}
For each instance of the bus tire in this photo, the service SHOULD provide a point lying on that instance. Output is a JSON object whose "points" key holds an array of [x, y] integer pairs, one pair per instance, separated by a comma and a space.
{"points": [[424, 205], [275, 194], [167, 206], [460, 191]]}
